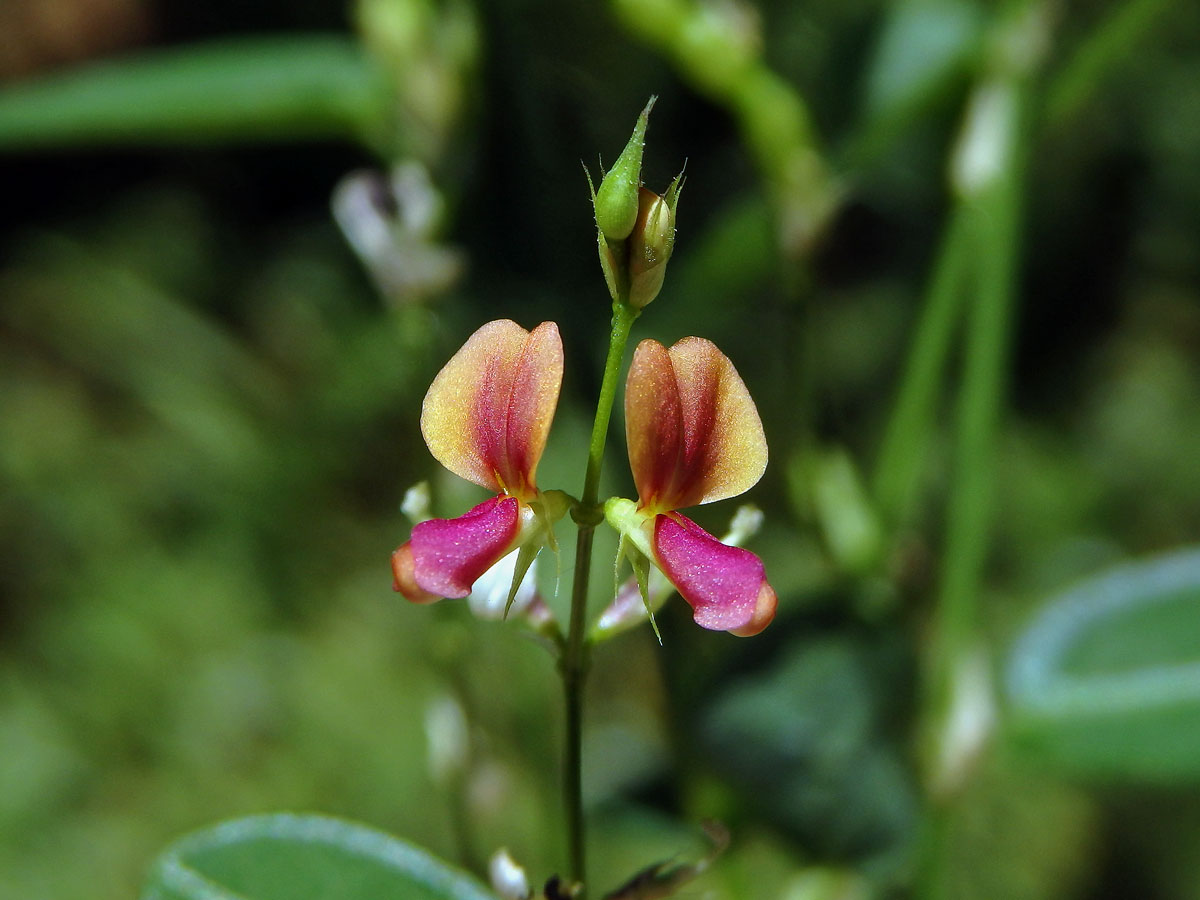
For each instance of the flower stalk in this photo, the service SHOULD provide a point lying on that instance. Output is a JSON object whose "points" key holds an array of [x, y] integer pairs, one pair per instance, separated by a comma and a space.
{"points": [[573, 664]]}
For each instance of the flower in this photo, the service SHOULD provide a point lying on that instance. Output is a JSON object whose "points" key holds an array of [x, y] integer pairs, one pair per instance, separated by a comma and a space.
{"points": [[486, 418], [630, 608], [694, 437]]}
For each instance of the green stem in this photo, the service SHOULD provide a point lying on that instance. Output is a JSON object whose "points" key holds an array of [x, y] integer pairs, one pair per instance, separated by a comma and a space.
{"points": [[898, 469], [622, 321], [1099, 56], [969, 512], [573, 664], [991, 220], [775, 120]]}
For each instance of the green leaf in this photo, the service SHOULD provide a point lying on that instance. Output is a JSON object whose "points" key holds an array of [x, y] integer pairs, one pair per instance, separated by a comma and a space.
{"points": [[303, 86], [1106, 679], [302, 857]]}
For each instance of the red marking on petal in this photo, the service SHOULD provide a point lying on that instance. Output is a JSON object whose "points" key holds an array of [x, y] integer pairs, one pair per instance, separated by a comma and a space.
{"points": [[653, 423], [693, 431], [724, 585], [532, 401], [448, 555], [487, 414]]}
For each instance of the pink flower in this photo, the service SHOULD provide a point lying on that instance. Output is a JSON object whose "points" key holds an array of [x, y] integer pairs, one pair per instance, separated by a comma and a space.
{"points": [[485, 418], [694, 437]]}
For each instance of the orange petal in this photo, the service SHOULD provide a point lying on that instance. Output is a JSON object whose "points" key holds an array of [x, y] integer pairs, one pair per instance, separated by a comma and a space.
{"points": [[693, 432], [488, 412], [404, 576]]}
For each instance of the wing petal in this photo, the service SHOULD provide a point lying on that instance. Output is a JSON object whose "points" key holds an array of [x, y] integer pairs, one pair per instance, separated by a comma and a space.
{"points": [[724, 585]]}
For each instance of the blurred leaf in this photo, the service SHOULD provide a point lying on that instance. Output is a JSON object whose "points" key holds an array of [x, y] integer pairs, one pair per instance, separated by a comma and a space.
{"points": [[314, 86], [806, 739], [182, 365], [1016, 834], [302, 856], [1106, 679]]}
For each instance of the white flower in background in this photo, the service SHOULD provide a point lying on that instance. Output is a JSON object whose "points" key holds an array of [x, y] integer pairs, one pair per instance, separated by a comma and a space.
{"points": [[489, 594]]}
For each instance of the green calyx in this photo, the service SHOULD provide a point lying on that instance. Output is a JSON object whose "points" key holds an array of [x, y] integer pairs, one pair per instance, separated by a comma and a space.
{"points": [[547, 510], [631, 522]]}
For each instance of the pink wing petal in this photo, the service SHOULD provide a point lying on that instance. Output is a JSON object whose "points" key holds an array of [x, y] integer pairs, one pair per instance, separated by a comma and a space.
{"points": [[693, 431], [488, 412], [448, 555], [724, 585]]}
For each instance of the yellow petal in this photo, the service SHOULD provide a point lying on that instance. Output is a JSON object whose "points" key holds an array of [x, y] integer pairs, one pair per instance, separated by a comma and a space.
{"points": [[487, 414]]}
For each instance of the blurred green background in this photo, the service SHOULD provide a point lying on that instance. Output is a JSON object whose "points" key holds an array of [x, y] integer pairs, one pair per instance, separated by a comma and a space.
{"points": [[209, 406]]}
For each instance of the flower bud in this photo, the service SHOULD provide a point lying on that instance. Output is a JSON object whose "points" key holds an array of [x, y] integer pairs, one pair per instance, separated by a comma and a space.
{"points": [[651, 242], [616, 201]]}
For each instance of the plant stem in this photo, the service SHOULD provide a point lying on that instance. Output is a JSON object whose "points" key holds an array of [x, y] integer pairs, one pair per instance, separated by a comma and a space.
{"points": [[1098, 56], [951, 750], [969, 511], [775, 119], [950, 753], [622, 321], [898, 468], [573, 664]]}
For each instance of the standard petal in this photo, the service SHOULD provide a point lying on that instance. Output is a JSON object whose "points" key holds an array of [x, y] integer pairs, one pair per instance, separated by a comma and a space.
{"points": [[724, 449], [694, 433], [488, 412], [724, 585], [448, 555]]}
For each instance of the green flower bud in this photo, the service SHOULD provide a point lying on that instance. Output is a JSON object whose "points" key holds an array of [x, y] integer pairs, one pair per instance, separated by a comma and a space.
{"points": [[616, 201], [651, 242]]}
